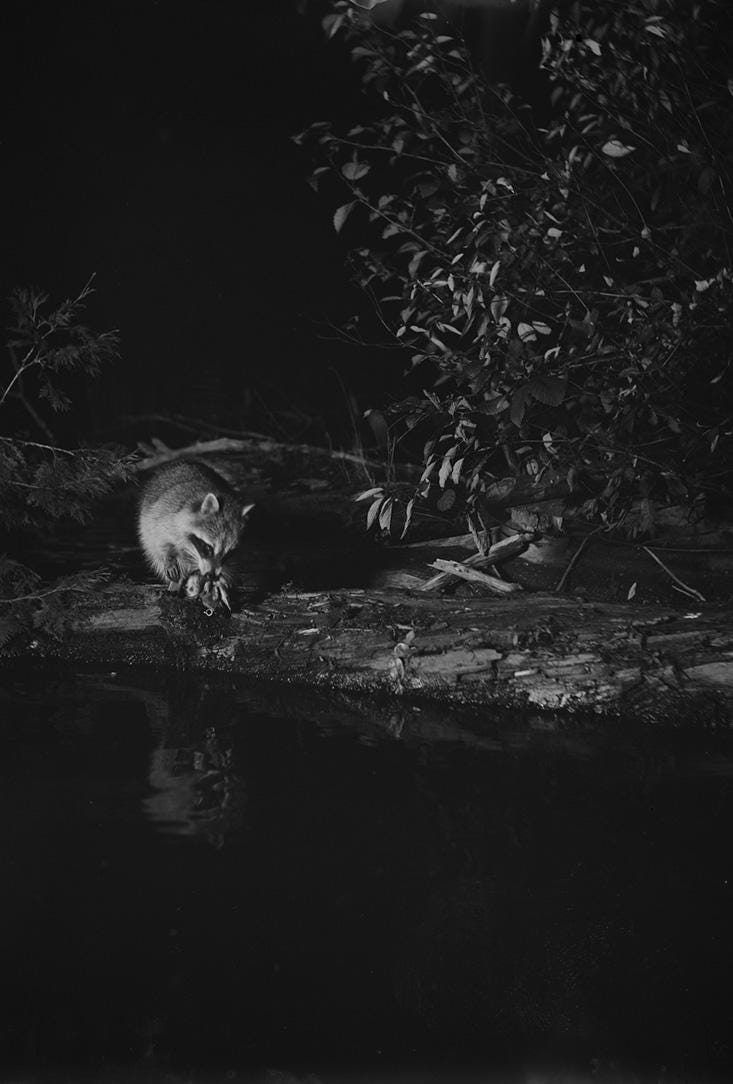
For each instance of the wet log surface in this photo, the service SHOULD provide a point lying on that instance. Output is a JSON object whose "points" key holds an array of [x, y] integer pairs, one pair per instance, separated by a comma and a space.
{"points": [[541, 651], [324, 607]]}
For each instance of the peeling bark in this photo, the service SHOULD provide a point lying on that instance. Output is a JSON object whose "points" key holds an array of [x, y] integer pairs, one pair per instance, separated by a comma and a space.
{"points": [[543, 651]]}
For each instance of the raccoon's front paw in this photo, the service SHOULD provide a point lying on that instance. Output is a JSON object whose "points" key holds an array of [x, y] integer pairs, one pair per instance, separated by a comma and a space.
{"points": [[173, 576]]}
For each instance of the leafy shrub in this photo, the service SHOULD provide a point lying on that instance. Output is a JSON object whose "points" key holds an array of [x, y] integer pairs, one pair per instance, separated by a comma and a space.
{"points": [[564, 289]]}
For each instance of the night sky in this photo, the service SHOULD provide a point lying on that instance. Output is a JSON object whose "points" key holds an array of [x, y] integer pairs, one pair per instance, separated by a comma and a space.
{"points": [[150, 143]]}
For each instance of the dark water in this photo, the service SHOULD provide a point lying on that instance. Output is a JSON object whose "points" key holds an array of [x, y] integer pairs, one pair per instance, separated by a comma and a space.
{"points": [[205, 882]]}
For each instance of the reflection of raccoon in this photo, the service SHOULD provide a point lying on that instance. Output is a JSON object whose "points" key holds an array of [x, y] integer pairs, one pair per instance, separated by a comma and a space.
{"points": [[190, 521]]}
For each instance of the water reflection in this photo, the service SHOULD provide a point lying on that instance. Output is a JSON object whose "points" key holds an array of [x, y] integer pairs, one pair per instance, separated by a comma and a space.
{"points": [[207, 878], [196, 790]]}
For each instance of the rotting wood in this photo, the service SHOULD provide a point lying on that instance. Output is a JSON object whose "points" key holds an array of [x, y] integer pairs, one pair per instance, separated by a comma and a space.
{"points": [[541, 651]]}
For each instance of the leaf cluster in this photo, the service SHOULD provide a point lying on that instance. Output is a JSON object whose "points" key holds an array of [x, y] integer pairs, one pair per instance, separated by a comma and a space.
{"points": [[564, 289], [27, 609], [39, 483], [46, 344]]}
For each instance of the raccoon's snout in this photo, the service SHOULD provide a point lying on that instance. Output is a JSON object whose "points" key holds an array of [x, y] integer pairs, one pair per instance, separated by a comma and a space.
{"points": [[207, 563], [208, 566]]}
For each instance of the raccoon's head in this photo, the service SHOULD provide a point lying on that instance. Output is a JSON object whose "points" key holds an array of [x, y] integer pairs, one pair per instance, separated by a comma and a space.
{"points": [[216, 530]]}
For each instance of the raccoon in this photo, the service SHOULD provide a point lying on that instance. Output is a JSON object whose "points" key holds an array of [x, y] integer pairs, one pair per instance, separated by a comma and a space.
{"points": [[190, 523]]}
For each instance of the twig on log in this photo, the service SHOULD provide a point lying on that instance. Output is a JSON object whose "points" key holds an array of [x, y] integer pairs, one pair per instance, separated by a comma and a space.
{"points": [[464, 572], [574, 559], [501, 551], [685, 587]]}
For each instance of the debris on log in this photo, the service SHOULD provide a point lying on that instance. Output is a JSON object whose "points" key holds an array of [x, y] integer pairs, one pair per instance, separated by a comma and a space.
{"points": [[367, 617], [464, 571], [500, 551], [542, 651]]}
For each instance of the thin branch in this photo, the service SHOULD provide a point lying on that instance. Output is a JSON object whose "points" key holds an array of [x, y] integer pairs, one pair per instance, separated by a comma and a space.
{"points": [[401, 227], [35, 444], [340, 141], [51, 591], [20, 368], [45, 429], [685, 587], [226, 444], [576, 557]]}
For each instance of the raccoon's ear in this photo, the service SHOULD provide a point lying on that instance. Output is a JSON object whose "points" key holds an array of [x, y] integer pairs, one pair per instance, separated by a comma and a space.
{"points": [[246, 510], [210, 504]]}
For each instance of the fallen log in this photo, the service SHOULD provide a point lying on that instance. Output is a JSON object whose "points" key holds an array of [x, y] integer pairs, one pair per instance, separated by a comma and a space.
{"points": [[540, 651]]}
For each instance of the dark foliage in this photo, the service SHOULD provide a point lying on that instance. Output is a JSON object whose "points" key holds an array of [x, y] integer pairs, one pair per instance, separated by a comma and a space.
{"points": [[566, 288], [41, 481]]}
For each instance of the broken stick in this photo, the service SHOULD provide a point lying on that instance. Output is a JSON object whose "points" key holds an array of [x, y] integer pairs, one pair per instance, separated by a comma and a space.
{"points": [[449, 569], [501, 551]]}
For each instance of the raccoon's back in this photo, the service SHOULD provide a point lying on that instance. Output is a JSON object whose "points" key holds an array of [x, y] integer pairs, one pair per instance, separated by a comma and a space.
{"points": [[177, 486], [168, 508]]}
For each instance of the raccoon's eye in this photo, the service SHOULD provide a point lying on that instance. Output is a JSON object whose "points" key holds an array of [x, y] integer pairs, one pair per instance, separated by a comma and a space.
{"points": [[202, 547]]}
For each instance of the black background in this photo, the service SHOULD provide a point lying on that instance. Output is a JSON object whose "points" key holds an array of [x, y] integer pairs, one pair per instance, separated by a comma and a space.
{"points": [[150, 144]]}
